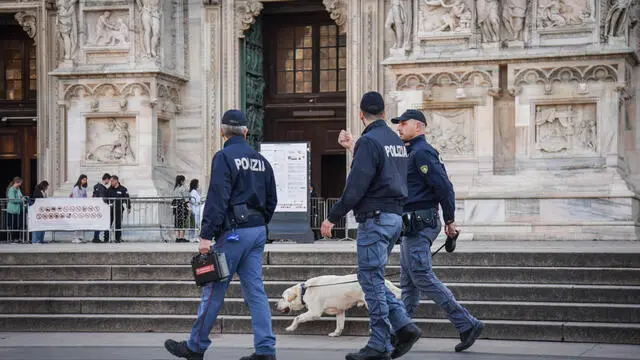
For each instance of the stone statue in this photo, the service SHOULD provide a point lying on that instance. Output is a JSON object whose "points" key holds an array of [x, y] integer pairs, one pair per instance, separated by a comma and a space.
{"points": [[617, 18], [399, 20], [67, 26], [489, 20], [513, 14], [120, 149], [151, 19], [457, 17]]}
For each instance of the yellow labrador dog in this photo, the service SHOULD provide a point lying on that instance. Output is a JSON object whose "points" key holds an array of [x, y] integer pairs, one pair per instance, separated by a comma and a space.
{"points": [[328, 294]]}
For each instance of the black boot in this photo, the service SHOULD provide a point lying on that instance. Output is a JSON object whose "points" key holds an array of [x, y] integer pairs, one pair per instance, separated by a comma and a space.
{"points": [[255, 356], [181, 350], [367, 353], [468, 337], [405, 338]]}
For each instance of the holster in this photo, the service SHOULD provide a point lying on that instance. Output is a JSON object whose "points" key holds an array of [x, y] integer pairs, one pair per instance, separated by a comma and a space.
{"points": [[415, 221]]}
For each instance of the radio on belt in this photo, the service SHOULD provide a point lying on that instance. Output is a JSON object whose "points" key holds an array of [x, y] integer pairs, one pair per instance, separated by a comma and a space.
{"points": [[209, 267]]}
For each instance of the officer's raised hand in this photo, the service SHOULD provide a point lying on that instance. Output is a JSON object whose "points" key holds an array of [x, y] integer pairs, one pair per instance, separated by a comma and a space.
{"points": [[326, 228], [345, 139], [205, 246]]}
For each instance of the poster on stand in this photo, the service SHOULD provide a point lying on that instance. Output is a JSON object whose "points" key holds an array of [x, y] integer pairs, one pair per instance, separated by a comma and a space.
{"points": [[290, 168]]}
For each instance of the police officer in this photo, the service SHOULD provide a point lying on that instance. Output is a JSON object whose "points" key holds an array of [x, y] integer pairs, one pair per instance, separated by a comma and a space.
{"points": [[100, 191], [118, 196], [376, 190], [240, 203], [429, 186]]}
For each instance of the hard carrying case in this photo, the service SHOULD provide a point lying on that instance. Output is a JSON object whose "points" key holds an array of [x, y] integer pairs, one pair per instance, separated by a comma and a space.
{"points": [[209, 267]]}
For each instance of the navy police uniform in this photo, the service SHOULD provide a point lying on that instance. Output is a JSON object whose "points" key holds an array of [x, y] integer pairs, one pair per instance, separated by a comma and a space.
{"points": [[429, 186], [376, 191], [240, 203]]}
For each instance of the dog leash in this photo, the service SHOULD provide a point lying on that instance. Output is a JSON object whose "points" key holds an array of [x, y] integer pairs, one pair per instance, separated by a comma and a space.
{"points": [[450, 245]]}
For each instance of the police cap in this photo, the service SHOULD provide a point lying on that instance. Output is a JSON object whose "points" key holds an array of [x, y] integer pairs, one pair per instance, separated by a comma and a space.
{"points": [[410, 114], [234, 118], [372, 103]]}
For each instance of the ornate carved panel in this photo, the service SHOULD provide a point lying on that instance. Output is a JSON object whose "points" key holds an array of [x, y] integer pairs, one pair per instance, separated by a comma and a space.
{"points": [[581, 76], [565, 129], [111, 140], [451, 131]]}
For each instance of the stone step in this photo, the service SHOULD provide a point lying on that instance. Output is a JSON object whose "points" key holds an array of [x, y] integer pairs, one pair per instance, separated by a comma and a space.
{"points": [[274, 289], [489, 310], [471, 274], [322, 257], [495, 329]]}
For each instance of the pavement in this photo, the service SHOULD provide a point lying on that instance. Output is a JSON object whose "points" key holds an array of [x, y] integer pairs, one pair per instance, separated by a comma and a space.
{"points": [[149, 346], [463, 246]]}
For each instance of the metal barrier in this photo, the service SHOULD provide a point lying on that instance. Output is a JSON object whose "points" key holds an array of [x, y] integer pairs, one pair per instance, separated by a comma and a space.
{"points": [[147, 218]]}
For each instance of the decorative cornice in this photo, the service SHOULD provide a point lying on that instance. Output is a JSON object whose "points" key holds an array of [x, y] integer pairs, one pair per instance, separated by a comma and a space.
{"points": [[246, 13], [338, 11]]}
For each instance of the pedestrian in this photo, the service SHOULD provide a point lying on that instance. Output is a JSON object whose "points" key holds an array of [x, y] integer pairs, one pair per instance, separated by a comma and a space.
{"points": [[79, 191], [180, 205], [100, 191], [15, 204], [242, 187], [39, 192], [118, 196], [376, 190], [194, 201], [429, 186]]}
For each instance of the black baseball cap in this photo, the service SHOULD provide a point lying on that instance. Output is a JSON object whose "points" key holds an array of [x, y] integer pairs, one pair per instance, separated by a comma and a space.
{"points": [[410, 114], [234, 118], [372, 103]]}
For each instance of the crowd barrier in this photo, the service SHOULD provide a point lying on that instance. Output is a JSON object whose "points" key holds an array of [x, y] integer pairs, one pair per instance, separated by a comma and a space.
{"points": [[142, 218]]}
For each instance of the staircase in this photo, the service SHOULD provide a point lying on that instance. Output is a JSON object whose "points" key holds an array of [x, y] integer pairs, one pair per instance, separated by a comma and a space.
{"points": [[525, 295]]}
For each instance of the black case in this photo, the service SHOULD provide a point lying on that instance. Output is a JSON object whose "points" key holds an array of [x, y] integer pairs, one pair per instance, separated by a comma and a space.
{"points": [[209, 267]]}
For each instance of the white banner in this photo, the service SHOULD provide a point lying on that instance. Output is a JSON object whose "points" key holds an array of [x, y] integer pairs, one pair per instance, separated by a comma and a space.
{"points": [[289, 162], [69, 214]]}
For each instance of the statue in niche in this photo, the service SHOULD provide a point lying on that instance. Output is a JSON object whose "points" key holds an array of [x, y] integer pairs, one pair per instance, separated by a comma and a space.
{"points": [[108, 33], [617, 18], [67, 26], [513, 14], [399, 21], [456, 18], [489, 20], [151, 19], [120, 149]]}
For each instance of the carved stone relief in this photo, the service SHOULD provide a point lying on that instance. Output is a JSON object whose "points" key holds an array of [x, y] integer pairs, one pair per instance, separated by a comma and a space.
{"points": [[111, 140], [450, 131], [151, 21], [108, 28], [428, 82], [246, 13], [399, 21], [27, 19], [489, 20], [618, 18], [578, 75], [67, 27], [562, 13], [565, 129], [444, 16], [338, 12], [514, 13]]}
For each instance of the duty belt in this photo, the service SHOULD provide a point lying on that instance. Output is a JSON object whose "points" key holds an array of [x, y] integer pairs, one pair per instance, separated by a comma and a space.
{"points": [[363, 216], [414, 221]]}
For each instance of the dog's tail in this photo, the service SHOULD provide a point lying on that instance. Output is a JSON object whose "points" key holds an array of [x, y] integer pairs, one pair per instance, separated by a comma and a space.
{"points": [[394, 289]]}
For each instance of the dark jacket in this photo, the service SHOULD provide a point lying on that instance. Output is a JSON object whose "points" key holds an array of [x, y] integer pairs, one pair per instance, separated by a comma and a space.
{"points": [[239, 175], [377, 180], [119, 197], [428, 181], [99, 190]]}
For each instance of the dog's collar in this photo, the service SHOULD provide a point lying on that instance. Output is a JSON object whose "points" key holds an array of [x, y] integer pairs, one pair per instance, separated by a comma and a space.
{"points": [[303, 290]]}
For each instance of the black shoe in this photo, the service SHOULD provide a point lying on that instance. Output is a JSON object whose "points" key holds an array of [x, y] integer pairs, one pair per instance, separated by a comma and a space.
{"points": [[405, 338], [181, 350], [255, 356], [96, 241], [468, 337], [367, 353], [182, 240]]}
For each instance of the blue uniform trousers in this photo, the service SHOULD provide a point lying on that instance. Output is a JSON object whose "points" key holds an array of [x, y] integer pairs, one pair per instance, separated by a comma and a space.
{"points": [[418, 277], [245, 258], [376, 238]]}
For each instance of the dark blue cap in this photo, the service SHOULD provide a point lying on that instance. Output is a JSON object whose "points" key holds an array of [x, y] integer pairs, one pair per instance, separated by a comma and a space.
{"points": [[234, 118], [372, 103], [410, 114]]}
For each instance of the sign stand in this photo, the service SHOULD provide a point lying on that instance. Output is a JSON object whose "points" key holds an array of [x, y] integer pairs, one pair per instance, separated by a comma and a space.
{"points": [[291, 163]]}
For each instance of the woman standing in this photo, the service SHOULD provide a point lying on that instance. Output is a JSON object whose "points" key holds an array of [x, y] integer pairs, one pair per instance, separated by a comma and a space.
{"points": [[39, 192], [194, 200], [180, 207], [80, 191], [14, 208]]}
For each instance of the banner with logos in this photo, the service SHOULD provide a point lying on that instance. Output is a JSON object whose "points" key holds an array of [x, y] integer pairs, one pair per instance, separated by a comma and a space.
{"points": [[69, 214]]}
